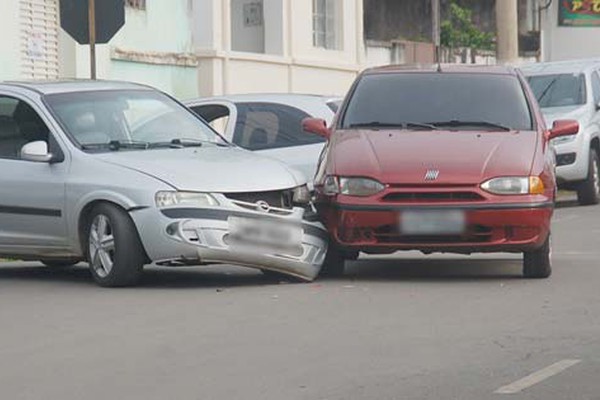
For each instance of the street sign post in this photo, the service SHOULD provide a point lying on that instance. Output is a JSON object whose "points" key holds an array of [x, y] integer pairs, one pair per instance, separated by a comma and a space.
{"points": [[92, 22]]}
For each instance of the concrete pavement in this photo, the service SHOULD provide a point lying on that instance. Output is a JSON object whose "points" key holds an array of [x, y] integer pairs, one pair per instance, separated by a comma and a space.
{"points": [[402, 327]]}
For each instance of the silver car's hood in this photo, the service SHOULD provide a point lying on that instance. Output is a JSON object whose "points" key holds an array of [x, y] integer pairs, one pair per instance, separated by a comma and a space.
{"points": [[209, 169]]}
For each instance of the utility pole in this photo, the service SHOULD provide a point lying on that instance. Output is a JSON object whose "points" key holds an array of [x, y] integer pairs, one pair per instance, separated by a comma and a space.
{"points": [[435, 23], [507, 25], [92, 28]]}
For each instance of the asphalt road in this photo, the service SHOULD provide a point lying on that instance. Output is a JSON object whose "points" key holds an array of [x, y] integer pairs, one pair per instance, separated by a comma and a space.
{"points": [[403, 327]]}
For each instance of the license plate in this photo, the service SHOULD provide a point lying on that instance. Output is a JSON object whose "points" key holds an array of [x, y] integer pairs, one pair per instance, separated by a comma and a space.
{"points": [[434, 222], [255, 232]]}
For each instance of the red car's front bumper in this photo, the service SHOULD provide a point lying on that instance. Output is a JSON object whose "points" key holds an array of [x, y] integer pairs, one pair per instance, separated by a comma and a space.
{"points": [[490, 227]]}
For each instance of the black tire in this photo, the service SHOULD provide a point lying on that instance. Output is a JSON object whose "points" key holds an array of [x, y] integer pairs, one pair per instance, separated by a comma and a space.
{"points": [[334, 264], [65, 263], [588, 192], [537, 264], [126, 253]]}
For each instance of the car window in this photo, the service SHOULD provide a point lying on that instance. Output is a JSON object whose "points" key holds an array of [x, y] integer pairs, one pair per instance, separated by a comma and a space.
{"points": [[216, 115], [400, 98], [596, 87], [261, 126], [19, 125], [558, 90], [100, 117]]}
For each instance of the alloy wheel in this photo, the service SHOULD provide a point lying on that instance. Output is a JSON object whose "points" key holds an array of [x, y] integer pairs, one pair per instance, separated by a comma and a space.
{"points": [[101, 246]]}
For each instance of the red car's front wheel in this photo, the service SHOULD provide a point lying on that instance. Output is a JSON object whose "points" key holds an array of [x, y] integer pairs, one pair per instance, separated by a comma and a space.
{"points": [[537, 264]]}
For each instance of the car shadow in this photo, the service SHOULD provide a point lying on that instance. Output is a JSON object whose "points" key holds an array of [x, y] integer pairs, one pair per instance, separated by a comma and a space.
{"points": [[210, 277], [433, 270], [570, 203]]}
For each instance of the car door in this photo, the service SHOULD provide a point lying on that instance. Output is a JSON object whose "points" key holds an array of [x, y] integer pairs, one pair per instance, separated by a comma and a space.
{"points": [[275, 130], [32, 194], [596, 106]]}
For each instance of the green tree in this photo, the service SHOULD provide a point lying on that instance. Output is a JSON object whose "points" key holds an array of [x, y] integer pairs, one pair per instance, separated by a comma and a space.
{"points": [[459, 31]]}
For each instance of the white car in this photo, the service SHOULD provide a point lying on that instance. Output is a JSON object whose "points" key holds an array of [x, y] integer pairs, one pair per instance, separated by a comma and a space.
{"points": [[271, 124], [571, 90]]}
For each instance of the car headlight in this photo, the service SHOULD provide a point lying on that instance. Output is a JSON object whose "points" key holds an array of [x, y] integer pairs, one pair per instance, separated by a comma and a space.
{"points": [[514, 185], [189, 199], [302, 195], [361, 187]]}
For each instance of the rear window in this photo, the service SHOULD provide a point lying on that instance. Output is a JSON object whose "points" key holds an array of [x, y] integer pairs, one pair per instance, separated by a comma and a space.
{"points": [[438, 97], [558, 90]]}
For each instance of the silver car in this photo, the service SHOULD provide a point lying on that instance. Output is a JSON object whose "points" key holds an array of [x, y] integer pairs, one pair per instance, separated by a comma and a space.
{"points": [[121, 175], [271, 124]]}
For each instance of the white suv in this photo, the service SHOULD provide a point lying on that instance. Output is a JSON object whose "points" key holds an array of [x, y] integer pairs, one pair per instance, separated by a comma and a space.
{"points": [[571, 90]]}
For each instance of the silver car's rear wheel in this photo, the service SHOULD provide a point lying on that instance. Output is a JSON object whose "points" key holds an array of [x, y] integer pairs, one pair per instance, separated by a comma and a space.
{"points": [[114, 250], [101, 246]]}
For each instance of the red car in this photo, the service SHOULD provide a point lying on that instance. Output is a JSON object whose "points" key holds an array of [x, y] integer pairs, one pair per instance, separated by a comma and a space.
{"points": [[439, 159]]}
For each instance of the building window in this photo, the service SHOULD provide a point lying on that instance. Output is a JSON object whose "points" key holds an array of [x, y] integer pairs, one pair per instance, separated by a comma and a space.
{"points": [[136, 4], [327, 24]]}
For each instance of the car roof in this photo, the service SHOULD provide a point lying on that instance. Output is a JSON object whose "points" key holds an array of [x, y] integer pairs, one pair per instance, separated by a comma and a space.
{"points": [[557, 67], [269, 97], [70, 86], [443, 68]]}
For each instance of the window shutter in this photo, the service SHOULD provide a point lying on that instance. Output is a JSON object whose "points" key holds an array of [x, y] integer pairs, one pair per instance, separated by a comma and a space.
{"points": [[39, 39]]}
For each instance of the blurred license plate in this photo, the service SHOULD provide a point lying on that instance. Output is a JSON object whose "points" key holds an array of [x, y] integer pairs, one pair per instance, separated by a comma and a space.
{"points": [[435, 222], [255, 232]]}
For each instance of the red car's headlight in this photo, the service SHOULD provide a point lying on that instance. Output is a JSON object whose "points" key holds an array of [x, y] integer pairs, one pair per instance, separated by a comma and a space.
{"points": [[514, 185], [361, 187]]}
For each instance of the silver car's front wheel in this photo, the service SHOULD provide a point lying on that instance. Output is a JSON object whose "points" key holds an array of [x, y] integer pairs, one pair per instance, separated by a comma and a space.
{"points": [[114, 251], [101, 246]]}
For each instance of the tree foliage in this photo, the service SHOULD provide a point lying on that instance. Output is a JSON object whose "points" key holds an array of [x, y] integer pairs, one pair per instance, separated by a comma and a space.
{"points": [[460, 31]]}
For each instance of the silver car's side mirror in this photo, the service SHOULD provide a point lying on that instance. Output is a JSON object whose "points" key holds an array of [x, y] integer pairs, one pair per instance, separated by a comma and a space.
{"points": [[36, 152]]}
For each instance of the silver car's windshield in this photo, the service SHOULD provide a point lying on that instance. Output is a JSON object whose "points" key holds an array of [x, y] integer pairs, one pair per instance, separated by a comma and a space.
{"points": [[558, 90], [129, 119]]}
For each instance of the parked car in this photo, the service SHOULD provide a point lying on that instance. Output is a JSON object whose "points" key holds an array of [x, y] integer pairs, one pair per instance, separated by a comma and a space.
{"points": [[122, 175], [454, 159], [270, 124], [571, 90]]}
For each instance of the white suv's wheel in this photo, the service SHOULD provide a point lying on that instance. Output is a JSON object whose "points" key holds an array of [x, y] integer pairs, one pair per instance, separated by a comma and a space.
{"points": [[115, 253], [588, 192]]}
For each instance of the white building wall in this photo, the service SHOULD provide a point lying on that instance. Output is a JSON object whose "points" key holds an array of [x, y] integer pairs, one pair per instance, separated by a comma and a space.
{"points": [[565, 43], [9, 40]]}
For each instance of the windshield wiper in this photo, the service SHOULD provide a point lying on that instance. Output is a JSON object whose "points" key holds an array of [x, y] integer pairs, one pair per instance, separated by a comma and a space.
{"points": [[116, 145], [180, 143], [402, 125], [455, 123]]}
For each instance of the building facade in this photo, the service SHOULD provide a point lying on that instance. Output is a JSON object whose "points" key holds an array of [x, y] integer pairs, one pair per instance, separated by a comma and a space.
{"points": [[197, 47]]}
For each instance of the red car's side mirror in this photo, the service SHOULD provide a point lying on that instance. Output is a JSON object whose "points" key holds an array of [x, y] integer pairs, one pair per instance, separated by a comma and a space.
{"points": [[563, 128], [316, 126]]}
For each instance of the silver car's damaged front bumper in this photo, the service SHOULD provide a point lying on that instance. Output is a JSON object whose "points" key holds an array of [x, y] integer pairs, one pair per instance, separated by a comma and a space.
{"points": [[204, 236]]}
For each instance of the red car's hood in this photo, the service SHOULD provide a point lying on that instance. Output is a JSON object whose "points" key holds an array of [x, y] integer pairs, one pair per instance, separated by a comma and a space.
{"points": [[403, 157]]}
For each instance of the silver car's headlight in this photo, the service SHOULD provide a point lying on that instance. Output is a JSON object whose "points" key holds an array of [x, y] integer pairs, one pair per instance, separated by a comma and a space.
{"points": [[514, 185], [186, 199], [360, 187], [302, 195]]}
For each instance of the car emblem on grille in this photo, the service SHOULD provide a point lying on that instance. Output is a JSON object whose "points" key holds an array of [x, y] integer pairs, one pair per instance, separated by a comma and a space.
{"points": [[432, 174], [263, 206]]}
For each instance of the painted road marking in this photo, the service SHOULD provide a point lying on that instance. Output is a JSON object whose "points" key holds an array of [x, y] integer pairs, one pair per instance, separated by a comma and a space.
{"points": [[537, 377]]}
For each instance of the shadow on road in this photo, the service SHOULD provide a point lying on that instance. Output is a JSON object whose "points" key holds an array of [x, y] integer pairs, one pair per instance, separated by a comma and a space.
{"points": [[365, 269], [571, 203], [422, 269]]}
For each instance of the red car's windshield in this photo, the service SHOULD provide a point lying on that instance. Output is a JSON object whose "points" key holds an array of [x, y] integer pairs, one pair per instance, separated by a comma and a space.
{"points": [[439, 100]]}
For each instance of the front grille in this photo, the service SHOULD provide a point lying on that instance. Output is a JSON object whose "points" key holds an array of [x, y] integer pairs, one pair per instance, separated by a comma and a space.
{"points": [[390, 234], [418, 197], [277, 198]]}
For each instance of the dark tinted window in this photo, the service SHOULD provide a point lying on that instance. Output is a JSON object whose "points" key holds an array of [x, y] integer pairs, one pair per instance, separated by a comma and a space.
{"points": [[334, 105], [438, 97], [19, 125], [558, 90], [261, 126]]}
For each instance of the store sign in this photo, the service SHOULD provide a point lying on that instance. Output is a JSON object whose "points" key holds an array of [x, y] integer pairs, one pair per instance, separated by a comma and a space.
{"points": [[579, 13]]}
